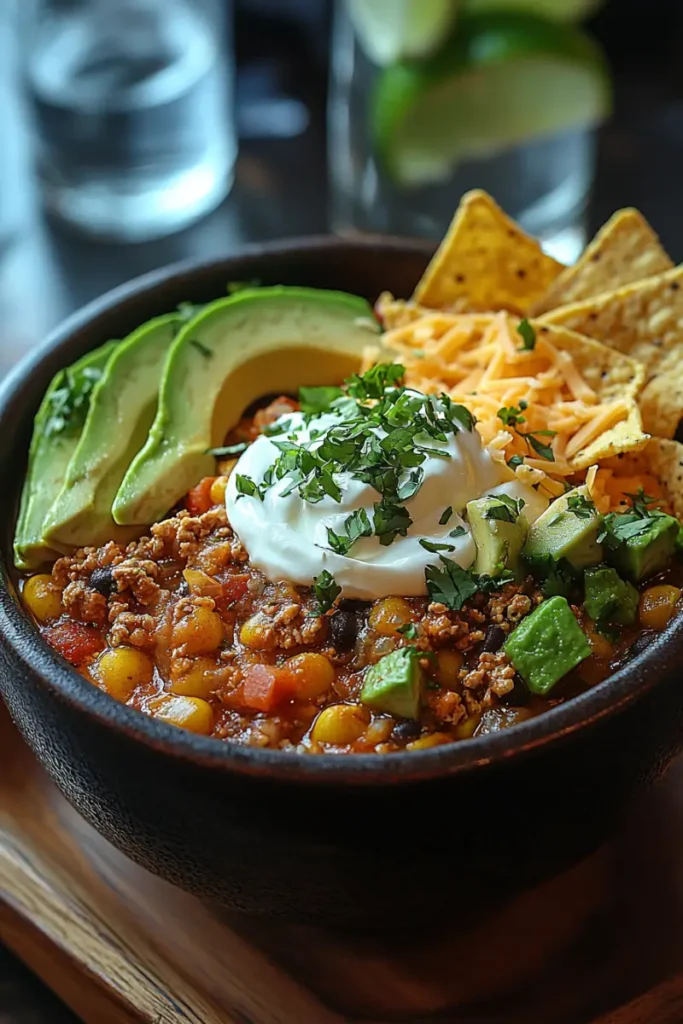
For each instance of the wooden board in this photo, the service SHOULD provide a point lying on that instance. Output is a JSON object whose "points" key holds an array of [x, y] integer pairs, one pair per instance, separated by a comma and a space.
{"points": [[602, 944]]}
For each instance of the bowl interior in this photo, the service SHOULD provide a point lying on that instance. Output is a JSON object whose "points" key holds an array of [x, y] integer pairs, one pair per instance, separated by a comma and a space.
{"points": [[364, 267]]}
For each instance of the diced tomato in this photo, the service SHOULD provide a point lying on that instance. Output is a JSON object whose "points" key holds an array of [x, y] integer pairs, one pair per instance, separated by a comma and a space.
{"points": [[74, 641], [266, 686], [198, 500], [234, 587]]}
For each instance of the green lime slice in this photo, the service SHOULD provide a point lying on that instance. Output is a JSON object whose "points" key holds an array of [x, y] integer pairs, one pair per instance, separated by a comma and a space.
{"points": [[391, 30], [556, 10], [501, 79]]}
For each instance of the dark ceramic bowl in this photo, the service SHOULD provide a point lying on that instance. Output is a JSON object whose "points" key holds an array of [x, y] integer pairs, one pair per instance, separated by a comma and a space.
{"points": [[359, 840]]}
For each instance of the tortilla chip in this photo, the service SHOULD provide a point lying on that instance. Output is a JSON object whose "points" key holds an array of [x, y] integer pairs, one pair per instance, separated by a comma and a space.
{"points": [[486, 263], [613, 377], [662, 459], [626, 249], [643, 320]]}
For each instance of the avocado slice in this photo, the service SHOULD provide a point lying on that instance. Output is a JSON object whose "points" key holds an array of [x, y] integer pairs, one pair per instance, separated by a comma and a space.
{"points": [[122, 409], [394, 684], [609, 599], [567, 530], [640, 547], [57, 429], [498, 541], [237, 349], [546, 645]]}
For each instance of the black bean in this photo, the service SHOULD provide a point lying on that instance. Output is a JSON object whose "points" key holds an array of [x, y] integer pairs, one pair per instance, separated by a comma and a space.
{"points": [[102, 580], [494, 639], [406, 730], [348, 605], [344, 628], [518, 695]]}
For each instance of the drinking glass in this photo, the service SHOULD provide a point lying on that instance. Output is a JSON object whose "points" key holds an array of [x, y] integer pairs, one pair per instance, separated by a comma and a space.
{"points": [[542, 181], [132, 110]]}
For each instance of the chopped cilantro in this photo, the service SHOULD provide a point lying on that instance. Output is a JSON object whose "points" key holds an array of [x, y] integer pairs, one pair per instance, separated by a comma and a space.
{"points": [[459, 531], [446, 515], [356, 525], [544, 451], [488, 584], [409, 630], [227, 450], [527, 334], [201, 347], [504, 508], [641, 502], [429, 545], [187, 311], [390, 521], [515, 461], [68, 404], [512, 415], [246, 486], [316, 401], [326, 591], [580, 506], [450, 585]]}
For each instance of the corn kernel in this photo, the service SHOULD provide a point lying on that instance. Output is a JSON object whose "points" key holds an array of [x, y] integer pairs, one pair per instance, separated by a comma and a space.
{"points": [[257, 633], [190, 713], [388, 614], [448, 668], [200, 632], [657, 606], [340, 724], [120, 670], [42, 597], [198, 681], [314, 674], [435, 739], [217, 492]]}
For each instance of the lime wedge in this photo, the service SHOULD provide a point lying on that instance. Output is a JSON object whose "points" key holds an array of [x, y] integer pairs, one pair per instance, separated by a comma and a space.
{"points": [[500, 79], [556, 10], [391, 30]]}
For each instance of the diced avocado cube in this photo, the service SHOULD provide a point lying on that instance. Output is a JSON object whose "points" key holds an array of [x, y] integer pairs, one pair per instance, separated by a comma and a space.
{"points": [[498, 541], [546, 645], [639, 548], [567, 530], [610, 599], [394, 684]]}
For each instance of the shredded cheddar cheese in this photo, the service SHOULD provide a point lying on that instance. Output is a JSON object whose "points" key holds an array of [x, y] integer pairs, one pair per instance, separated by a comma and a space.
{"points": [[479, 360]]}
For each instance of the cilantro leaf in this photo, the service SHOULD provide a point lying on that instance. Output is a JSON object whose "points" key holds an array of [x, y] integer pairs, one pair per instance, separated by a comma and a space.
{"points": [[580, 506], [246, 486], [316, 401], [527, 334], [450, 585], [326, 591], [544, 451], [69, 402], [515, 461], [409, 630], [641, 502], [459, 531], [205, 351], [356, 525], [512, 415], [446, 515], [390, 521], [429, 545], [504, 508]]}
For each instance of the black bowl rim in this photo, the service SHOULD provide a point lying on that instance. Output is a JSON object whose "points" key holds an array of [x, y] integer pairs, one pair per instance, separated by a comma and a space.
{"points": [[553, 726]]}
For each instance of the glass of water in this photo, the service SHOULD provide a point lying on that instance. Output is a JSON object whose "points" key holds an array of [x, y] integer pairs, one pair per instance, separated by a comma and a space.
{"points": [[431, 98], [132, 106]]}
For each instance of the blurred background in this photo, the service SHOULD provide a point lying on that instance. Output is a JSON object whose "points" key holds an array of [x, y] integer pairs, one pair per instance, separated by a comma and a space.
{"points": [[140, 132], [135, 133]]}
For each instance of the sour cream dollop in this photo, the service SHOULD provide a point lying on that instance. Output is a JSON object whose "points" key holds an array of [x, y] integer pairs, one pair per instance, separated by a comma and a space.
{"points": [[287, 537]]}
